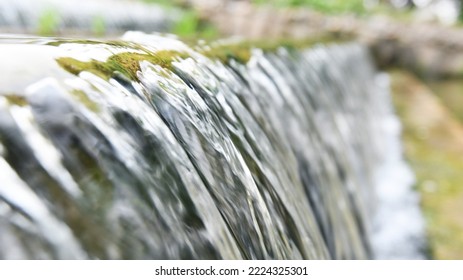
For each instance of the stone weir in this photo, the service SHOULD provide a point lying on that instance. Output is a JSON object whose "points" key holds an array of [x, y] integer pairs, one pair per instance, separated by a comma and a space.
{"points": [[147, 148]]}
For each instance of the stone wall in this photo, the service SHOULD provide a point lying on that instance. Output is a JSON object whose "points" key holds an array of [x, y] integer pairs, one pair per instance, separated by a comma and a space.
{"points": [[430, 50]]}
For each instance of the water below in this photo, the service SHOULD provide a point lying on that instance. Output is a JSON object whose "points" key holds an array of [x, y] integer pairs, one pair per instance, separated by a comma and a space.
{"points": [[109, 153]]}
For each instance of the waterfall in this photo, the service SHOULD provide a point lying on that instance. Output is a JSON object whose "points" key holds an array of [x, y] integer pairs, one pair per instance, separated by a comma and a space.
{"points": [[147, 148]]}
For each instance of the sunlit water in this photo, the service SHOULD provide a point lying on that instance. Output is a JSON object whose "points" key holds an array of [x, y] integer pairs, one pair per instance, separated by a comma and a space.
{"points": [[293, 155]]}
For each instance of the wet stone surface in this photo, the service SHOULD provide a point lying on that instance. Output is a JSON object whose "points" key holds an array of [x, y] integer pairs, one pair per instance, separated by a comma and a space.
{"points": [[148, 149]]}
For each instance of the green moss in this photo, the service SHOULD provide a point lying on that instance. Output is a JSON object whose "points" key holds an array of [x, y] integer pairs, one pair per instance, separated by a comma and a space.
{"points": [[126, 63], [225, 53], [75, 66], [241, 51], [83, 99], [129, 63], [60, 41], [14, 99]]}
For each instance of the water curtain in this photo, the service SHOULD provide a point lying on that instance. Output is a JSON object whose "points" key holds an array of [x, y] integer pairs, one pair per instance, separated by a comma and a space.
{"points": [[146, 148]]}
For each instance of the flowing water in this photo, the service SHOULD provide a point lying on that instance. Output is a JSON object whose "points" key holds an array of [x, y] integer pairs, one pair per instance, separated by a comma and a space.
{"points": [[110, 150]]}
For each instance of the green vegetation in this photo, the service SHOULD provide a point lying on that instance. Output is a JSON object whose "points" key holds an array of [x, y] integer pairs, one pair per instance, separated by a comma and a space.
{"points": [[241, 51], [326, 6], [98, 26], [82, 97], [433, 141], [191, 25], [450, 92], [165, 3], [127, 63], [440, 184], [188, 24], [355, 7], [48, 23], [15, 99]]}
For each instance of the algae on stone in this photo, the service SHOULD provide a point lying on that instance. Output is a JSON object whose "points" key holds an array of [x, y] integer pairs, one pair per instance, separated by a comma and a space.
{"points": [[84, 99], [241, 51], [125, 63], [15, 99]]}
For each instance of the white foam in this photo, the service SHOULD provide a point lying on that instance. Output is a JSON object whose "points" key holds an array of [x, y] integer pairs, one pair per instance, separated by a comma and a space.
{"points": [[398, 226]]}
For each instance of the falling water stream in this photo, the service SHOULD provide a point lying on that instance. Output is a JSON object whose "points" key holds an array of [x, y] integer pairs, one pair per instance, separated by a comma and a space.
{"points": [[147, 148]]}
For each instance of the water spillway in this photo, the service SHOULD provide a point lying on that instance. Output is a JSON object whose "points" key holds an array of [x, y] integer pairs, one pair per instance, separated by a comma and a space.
{"points": [[146, 148]]}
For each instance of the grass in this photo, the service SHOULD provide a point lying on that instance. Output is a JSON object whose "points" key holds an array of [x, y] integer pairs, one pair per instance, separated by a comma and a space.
{"points": [[433, 140], [333, 7], [326, 6], [192, 26], [450, 92], [48, 23], [98, 26], [164, 3]]}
